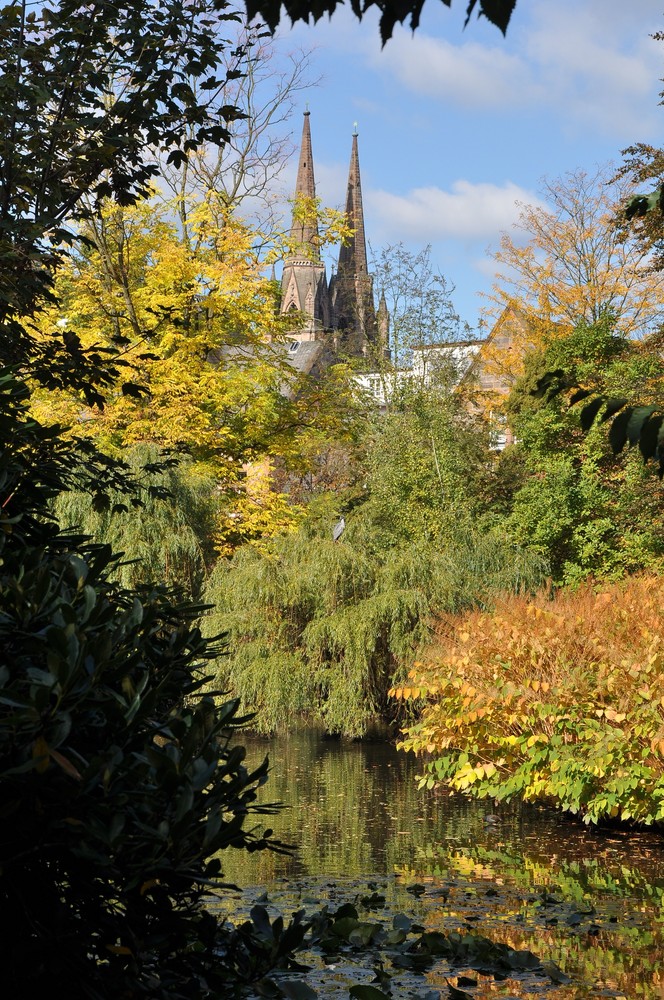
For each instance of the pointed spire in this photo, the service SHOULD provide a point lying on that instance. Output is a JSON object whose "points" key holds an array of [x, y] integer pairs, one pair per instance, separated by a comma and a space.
{"points": [[352, 291], [353, 256], [304, 289], [304, 231]]}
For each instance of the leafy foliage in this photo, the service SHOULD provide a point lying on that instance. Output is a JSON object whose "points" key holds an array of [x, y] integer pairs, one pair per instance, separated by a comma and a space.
{"points": [[119, 781], [556, 702], [321, 627], [169, 537], [574, 496], [498, 12], [84, 97], [214, 382], [577, 262]]}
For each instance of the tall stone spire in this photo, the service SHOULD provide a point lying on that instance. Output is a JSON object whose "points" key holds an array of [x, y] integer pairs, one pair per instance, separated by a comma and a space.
{"points": [[304, 288], [353, 255], [304, 231], [352, 289]]}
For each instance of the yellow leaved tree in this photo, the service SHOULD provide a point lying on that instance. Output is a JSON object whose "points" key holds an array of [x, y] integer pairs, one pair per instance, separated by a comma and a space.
{"points": [[205, 369], [571, 261]]}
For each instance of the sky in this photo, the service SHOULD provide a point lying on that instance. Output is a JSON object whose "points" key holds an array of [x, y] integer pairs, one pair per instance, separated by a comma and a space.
{"points": [[457, 127]]}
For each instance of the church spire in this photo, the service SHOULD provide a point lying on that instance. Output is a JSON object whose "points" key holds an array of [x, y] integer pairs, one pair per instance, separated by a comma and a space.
{"points": [[304, 230], [352, 293], [304, 290], [353, 255]]}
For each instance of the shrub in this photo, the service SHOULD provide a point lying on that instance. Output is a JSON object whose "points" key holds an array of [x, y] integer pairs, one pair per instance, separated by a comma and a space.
{"points": [[550, 701], [119, 781]]}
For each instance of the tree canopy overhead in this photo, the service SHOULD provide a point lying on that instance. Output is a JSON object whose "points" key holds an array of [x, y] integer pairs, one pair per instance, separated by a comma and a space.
{"points": [[392, 12]]}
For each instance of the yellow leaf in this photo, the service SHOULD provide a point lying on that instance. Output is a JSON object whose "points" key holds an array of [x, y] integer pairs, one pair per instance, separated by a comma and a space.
{"points": [[40, 754]]}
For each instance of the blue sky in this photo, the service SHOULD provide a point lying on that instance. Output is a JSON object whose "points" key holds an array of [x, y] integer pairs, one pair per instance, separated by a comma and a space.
{"points": [[456, 127]]}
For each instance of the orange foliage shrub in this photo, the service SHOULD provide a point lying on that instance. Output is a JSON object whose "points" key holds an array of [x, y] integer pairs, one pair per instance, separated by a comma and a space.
{"points": [[603, 644], [557, 700]]}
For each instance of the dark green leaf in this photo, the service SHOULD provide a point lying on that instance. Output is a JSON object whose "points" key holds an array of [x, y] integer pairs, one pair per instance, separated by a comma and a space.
{"points": [[636, 421], [361, 992], [613, 406], [651, 435], [590, 411], [296, 990], [618, 431]]}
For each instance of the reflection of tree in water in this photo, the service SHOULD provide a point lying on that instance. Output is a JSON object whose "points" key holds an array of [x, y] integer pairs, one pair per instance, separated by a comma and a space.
{"points": [[588, 901], [353, 809], [355, 813]]}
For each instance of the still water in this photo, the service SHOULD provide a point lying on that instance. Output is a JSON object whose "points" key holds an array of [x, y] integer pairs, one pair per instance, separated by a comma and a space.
{"points": [[589, 901]]}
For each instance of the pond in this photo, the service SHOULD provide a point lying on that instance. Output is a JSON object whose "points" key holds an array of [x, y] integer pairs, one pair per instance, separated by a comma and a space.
{"points": [[588, 901]]}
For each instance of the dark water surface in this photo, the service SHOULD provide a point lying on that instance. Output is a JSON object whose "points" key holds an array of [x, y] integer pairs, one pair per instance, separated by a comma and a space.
{"points": [[589, 901]]}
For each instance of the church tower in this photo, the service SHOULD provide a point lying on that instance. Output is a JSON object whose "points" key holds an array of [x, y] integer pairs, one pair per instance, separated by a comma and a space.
{"points": [[351, 289], [303, 284]]}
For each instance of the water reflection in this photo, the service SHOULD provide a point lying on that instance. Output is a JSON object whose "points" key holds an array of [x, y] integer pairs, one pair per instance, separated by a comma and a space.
{"points": [[592, 902]]}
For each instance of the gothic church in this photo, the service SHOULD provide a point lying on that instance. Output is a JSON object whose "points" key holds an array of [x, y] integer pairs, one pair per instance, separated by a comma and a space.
{"points": [[340, 315]]}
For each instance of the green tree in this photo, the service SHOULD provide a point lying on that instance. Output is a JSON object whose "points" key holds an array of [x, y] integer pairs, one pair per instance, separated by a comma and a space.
{"points": [[86, 93], [586, 508], [322, 628], [119, 782]]}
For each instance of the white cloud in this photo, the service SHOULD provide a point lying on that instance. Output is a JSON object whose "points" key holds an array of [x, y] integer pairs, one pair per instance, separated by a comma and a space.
{"points": [[594, 65], [469, 75], [468, 212]]}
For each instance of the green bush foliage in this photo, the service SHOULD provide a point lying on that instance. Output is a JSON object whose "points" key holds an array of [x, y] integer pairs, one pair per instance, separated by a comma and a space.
{"points": [[322, 629], [585, 509], [168, 538], [120, 782], [557, 702]]}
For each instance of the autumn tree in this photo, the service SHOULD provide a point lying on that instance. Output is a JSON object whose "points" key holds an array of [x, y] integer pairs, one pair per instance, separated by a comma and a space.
{"points": [[197, 324], [574, 262]]}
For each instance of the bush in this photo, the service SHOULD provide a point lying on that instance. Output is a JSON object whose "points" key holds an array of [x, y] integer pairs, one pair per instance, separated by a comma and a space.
{"points": [[169, 538], [119, 781], [557, 702]]}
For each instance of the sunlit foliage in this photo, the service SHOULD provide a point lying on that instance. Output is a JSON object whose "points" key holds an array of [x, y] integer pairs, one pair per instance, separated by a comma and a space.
{"points": [[558, 702]]}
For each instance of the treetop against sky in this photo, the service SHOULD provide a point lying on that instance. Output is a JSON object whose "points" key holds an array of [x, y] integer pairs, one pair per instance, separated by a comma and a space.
{"points": [[458, 127]]}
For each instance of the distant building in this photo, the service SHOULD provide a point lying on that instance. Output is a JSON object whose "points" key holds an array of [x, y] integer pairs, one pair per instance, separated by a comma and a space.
{"points": [[339, 315]]}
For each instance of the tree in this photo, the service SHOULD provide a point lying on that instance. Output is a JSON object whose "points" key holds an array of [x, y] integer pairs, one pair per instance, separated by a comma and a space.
{"points": [[416, 317], [86, 96], [321, 628], [498, 12], [120, 783], [200, 334], [242, 173], [579, 263], [579, 502]]}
